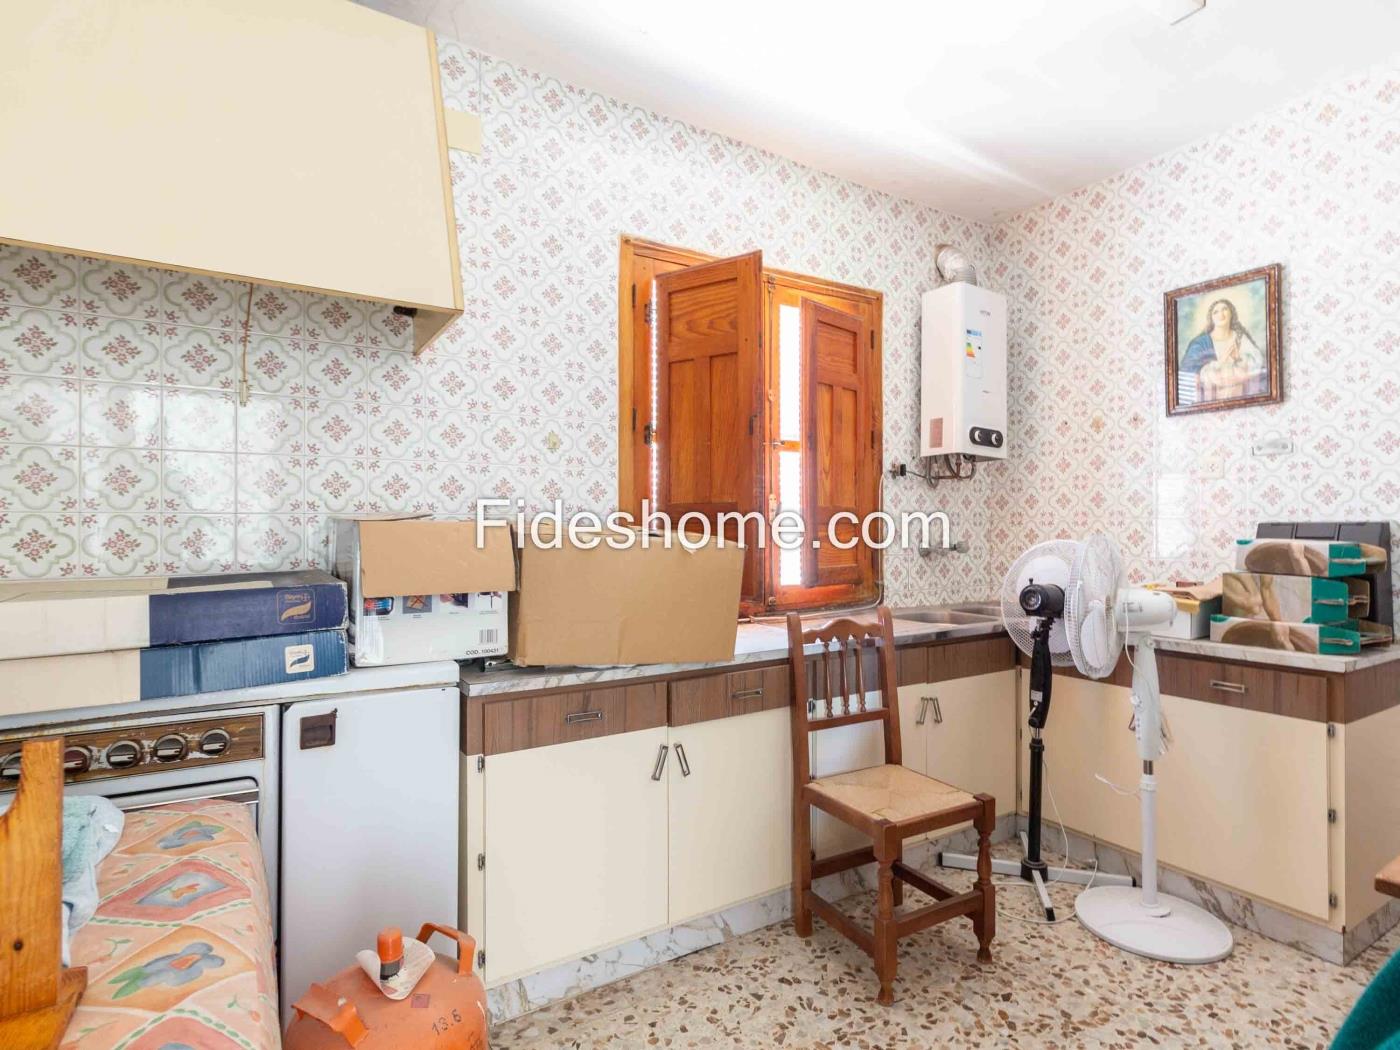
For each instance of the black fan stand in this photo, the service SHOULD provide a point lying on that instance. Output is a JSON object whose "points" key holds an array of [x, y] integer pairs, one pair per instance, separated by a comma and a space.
{"points": [[1046, 602]]}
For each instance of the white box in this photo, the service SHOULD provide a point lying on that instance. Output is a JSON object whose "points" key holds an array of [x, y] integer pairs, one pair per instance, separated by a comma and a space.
{"points": [[963, 373], [410, 628], [457, 608]]}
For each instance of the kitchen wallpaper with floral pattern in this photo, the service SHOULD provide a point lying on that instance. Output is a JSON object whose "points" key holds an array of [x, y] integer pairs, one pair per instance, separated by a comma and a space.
{"points": [[123, 449], [1315, 186]]}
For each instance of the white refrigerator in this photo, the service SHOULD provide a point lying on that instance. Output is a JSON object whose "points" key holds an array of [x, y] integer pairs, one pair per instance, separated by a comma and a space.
{"points": [[369, 825]]}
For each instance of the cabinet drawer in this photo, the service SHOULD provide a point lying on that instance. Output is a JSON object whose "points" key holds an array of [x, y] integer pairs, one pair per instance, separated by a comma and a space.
{"points": [[911, 664], [947, 661], [733, 693], [518, 723], [1247, 686]]}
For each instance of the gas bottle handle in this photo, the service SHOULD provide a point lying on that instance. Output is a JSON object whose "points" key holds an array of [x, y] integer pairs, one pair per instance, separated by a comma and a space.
{"points": [[339, 1015], [466, 946]]}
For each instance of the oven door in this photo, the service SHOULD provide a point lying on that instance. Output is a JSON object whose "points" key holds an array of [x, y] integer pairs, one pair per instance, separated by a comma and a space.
{"points": [[242, 790]]}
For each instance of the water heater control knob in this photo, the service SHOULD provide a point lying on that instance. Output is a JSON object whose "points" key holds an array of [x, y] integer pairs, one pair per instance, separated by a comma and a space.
{"points": [[124, 754]]}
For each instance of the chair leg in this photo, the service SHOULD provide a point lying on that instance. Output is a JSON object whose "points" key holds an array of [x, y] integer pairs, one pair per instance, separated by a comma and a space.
{"points": [[898, 885], [984, 920], [886, 944], [801, 868]]}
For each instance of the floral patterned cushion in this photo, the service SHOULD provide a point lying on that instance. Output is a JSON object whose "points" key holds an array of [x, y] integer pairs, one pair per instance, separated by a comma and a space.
{"points": [[180, 952]]}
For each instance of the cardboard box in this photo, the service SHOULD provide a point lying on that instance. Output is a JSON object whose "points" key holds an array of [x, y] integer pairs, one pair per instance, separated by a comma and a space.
{"points": [[58, 617], [1290, 599], [1195, 604], [52, 683], [422, 589], [603, 606]]}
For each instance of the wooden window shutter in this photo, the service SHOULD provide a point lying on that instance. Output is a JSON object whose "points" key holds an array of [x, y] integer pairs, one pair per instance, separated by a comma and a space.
{"points": [[837, 454], [709, 396]]}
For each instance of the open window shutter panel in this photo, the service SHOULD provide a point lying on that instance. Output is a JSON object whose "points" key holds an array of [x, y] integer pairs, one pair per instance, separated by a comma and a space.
{"points": [[709, 396], [836, 406]]}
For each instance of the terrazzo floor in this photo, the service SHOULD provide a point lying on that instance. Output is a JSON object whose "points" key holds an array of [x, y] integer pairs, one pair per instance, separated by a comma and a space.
{"points": [[1049, 986]]}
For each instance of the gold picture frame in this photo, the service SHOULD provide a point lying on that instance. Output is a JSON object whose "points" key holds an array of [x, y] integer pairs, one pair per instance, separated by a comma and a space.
{"points": [[1214, 355]]}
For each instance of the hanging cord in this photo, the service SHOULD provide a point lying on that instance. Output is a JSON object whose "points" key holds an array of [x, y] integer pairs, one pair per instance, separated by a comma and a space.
{"points": [[243, 357], [1064, 837]]}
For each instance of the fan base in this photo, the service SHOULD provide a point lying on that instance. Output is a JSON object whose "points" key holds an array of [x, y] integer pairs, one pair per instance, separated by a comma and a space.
{"points": [[1185, 934]]}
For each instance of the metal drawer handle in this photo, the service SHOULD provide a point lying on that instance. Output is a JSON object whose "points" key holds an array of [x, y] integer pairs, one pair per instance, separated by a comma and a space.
{"points": [[746, 694], [937, 712], [576, 717], [660, 763], [680, 757], [1228, 687], [923, 710]]}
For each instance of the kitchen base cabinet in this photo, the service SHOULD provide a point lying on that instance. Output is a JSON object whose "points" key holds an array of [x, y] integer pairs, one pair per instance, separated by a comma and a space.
{"points": [[1225, 761], [1222, 761], [963, 732], [1087, 734], [730, 783], [574, 849], [970, 732]]}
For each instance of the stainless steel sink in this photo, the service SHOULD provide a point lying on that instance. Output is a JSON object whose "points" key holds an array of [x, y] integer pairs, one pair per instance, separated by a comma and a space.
{"points": [[992, 609], [943, 614], [954, 619]]}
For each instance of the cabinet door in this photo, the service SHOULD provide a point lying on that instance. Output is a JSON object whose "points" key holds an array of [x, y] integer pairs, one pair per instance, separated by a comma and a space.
{"points": [[971, 730], [1087, 733], [731, 813], [575, 850], [913, 701], [1242, 800], [837, 751], [369, 827]]}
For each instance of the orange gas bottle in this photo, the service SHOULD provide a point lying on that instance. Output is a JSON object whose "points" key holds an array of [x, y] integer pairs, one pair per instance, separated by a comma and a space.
{"points": [[446, 1009]]}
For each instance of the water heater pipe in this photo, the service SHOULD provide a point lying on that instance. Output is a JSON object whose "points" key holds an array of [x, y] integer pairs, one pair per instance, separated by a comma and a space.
{"points": [[953, 265]]}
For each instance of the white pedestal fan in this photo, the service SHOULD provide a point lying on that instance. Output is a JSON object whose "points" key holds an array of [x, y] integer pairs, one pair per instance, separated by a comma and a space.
{"points": [[1067, 603]]}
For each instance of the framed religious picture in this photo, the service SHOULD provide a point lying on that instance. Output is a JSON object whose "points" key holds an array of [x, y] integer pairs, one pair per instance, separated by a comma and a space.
{"points": [[1223, 348]]}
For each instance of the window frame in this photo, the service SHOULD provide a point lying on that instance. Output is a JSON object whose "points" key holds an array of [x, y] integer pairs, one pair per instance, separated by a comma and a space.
{"points": [[639, 261]]}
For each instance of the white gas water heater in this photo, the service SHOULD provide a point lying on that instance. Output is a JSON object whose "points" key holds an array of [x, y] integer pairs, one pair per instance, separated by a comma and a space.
{"points": [[963, 365]]}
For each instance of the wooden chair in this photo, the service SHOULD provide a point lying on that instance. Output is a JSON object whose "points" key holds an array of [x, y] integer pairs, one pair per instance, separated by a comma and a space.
{"points": [[37, 996], [889, 803]]}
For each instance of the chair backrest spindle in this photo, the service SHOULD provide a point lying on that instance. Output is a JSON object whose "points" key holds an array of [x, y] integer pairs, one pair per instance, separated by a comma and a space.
{"points": [[861, 636]]}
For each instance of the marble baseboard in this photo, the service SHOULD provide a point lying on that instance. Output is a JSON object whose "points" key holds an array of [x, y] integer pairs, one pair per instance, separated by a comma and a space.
{"points": [[1267, 920], [520, 996]]}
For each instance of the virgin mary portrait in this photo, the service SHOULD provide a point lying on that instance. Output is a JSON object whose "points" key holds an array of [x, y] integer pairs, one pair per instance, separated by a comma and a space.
{"points": [[1223, 343], [1224, 359]]}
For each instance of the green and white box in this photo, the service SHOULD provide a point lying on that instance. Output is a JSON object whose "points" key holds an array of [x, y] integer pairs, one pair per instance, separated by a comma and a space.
{"points": [[1308, 557], [1291, 599]]}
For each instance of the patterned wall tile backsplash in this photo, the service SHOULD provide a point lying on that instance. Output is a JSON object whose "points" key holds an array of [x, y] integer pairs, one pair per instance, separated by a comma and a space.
{"points": [[123, 449]]}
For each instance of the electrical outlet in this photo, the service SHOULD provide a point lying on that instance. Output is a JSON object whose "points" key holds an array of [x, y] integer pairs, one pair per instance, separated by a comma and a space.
{"points": [[1212, 465]]}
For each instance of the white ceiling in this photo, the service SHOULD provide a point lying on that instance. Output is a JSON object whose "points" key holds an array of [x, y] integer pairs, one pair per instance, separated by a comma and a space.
{"points": [[982, 108]]}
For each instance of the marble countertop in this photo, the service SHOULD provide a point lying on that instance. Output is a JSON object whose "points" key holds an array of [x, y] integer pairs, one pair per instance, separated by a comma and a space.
{"points": [[755, 643], [766, 642], [1369, 657]]}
